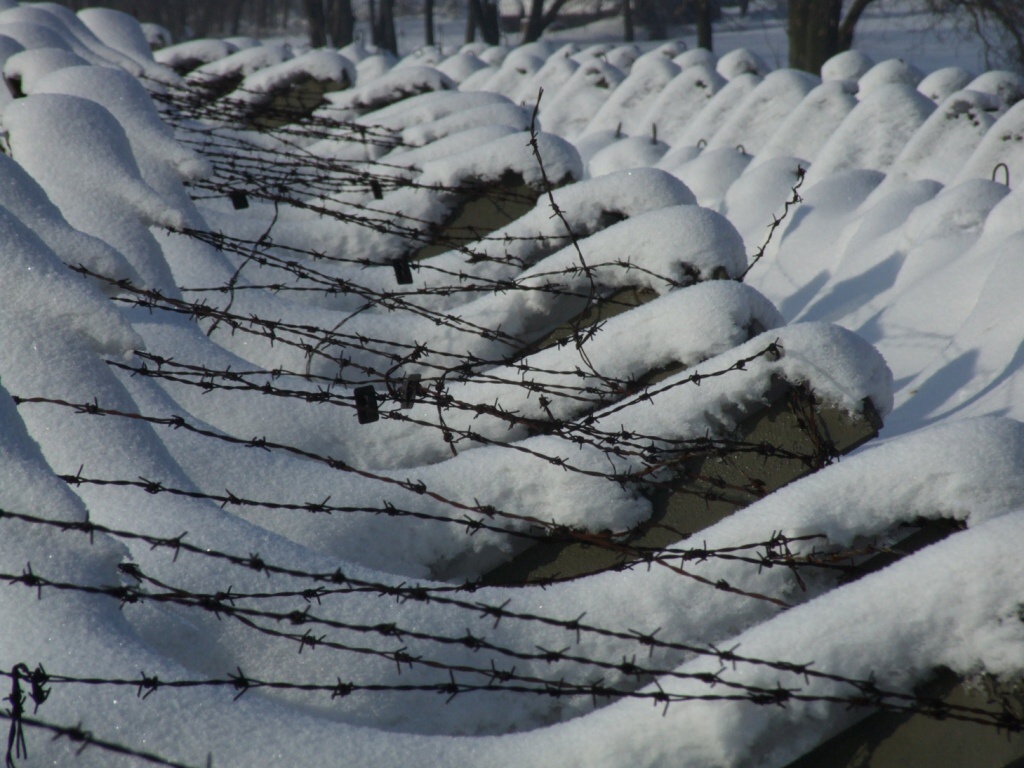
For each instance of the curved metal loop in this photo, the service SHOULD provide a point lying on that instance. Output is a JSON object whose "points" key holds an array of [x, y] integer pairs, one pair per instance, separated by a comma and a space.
{"points": [[1006, 170]]}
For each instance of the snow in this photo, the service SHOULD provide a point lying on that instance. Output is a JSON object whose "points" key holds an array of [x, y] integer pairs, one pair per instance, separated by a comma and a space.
{"points": [[105, 196], [497, 114], [22, 197], [848, 65], [1008, 86], [944, 82], [740, 62], [550, 77], [157, 35], [382, 90], [191, 53], [889, 72], [372, 66], [118, 31], [587, 206], [427, 56], [684, 97], [702, 126], [858, 236], [711, 173], [632, 152], [1000, 144], [29, 35], [569, 110], [489, 162], [242, 63], [752, 122], [324, 66], [460, 66], [695, 57], [948, 138], [515, 68], [643, 84], [624, 56], [27, 67], [804, 131], [492, 55], [874, 133], [152, 144]]}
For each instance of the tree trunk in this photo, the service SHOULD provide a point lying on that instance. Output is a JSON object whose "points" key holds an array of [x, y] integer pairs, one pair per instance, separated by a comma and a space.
{"points": [[383, 25], [485, 13], [204, 24], [650, 17], [534, 22], [627, 21], [470, 21], [261, 16], [704, 24], [317, 23], [849, 22], [484, 16], [428, 21], [387, 8], [539, 19], [236, 19], [813, 30], [341, 22]]}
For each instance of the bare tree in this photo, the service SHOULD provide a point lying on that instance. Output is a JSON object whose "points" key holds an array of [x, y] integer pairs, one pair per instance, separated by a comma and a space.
{"points": [[428, 22], [704, 16], [382, 25], [999, 24], [540, 18], [819, 29], [317, 22], [330, 21], [483, 15], [658, 16], [341, 22]]}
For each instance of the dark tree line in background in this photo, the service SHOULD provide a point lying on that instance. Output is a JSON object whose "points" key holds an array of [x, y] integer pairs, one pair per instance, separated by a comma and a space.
{"points": [[999, 24], [333, 22], [329, 20], [205, 18], [817, 29]]}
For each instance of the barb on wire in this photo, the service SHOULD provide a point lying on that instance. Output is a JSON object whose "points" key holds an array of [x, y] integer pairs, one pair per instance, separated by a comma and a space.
{"points": [[794, 199]]}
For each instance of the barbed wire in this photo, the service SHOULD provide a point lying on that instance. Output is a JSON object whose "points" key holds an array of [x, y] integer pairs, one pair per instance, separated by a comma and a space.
{"points": [[224, 604], [285, 175], [777, 220], [652, 457], [777, 550]]}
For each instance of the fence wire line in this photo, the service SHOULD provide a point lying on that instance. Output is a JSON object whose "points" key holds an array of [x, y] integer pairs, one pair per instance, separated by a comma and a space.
{"points": [[286, 176]]}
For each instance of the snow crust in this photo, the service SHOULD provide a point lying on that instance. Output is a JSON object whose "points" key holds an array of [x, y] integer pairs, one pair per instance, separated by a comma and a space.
{"points": [[28, 67], [188, 52], [892, 280], [382, 90], [321, 65], [242, 63]]}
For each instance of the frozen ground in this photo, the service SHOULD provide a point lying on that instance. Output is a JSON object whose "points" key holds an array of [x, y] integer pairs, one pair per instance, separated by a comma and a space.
{"points": [[209, 558]]}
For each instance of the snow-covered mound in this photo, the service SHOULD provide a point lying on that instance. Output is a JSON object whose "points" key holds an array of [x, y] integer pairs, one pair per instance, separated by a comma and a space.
{"points": [[299, 348]]}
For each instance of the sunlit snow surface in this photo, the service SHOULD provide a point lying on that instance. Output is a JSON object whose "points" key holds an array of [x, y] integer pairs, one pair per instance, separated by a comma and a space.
{"points": [[893, 275]]}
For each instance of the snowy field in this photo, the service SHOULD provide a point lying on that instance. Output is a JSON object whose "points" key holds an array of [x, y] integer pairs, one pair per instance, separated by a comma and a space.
{"points": [[270, 421]]}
